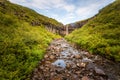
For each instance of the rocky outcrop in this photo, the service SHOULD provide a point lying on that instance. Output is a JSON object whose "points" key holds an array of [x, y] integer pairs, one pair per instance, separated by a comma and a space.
{"points": [[76, 25]]}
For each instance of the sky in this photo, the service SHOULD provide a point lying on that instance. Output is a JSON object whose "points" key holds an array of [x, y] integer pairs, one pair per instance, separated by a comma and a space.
{"points": [[65, 11]]}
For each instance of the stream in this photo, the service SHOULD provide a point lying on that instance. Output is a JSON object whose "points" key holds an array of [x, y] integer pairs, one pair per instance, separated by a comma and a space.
{"points": [[63, 62]]}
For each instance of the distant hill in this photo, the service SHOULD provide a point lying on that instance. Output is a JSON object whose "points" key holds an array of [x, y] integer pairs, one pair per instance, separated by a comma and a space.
{"points": [[23, 40], [101, 35]]}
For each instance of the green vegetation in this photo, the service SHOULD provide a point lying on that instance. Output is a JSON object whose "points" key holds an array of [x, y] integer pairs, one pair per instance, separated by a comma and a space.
{"points": [[21, 45], [27, 15], [101, 35]]}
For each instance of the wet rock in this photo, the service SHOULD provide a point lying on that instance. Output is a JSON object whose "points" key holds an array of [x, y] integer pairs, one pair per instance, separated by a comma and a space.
{"points": [[52, 57], [85, 78], [78, 72], [90, 66], [68, 65], [72, 56], [47, 68], [78, 56], [74, 66], [60, 63], [81, 65], [99, 71], [67, 75], [86, 60], [52, 73], [63, 62], [41, 67], [88, 55], [47, 62], [46, 56]]}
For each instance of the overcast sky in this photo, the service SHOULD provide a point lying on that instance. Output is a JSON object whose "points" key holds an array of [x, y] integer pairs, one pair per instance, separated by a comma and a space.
{"points": [[65, 11]]}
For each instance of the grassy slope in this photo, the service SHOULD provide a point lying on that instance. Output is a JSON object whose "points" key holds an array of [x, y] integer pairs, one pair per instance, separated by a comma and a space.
{"points": [[26, 14], [21, 45], [102, 34]]}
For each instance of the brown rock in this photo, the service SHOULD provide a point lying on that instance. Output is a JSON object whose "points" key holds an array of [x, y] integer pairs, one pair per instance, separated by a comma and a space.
{"points": [[81, 65], [52, 57], [85, 78], [68, 75], [68, 65], [77, 72], [72, 56], [52, 73], [77, 56], [74, 66], [41, 67], [47, 62], [46, 56]]}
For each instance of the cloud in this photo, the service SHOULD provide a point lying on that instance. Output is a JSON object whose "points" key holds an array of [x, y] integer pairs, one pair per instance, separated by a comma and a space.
{"points": [[69, 8], [65, 11], [46, 4], [87, 11]]}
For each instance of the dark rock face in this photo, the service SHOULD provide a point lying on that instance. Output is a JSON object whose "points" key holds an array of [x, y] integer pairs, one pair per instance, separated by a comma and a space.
{"points": [[56, 29], [76, 25], [63, 62]]}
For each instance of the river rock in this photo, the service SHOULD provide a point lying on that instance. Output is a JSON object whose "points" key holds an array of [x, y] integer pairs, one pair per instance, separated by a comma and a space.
{"points": [[99, 71], [72, 56], [81, 65], [90, 66], [85, 78], [86, 60], [41, 67], [46, 56], [74, 66], [68, 65], [52, 57], [77, 72], [77, 56]]}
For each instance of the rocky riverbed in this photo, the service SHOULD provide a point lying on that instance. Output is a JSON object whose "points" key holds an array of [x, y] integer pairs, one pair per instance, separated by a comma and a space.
{"points": [[63, 62]]}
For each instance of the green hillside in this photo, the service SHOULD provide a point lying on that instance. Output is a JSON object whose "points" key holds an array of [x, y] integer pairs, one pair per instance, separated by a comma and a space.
{"points": [[101, 35], [21, 44], [25, 14]]}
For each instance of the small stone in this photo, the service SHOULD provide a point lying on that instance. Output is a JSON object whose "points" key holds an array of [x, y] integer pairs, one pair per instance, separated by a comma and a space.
{"points": [[99, 71], [77, 56], [47, 62], [90, 66], [86, 60], [85, 78], [47, 68], [68, 65], [88, 55], [68, 75], [72, 56], [78, 64], [46, 56], [82, 65], [53, 73], [77, 72], [74, 66], [52, 57], [41, 67]]}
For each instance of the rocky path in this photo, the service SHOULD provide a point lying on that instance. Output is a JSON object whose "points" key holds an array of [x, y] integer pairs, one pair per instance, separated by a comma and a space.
{"points": [[63, 62]]}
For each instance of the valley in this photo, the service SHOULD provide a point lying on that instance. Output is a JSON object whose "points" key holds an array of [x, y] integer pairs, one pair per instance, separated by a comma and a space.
{"points": [[36, 47]]}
